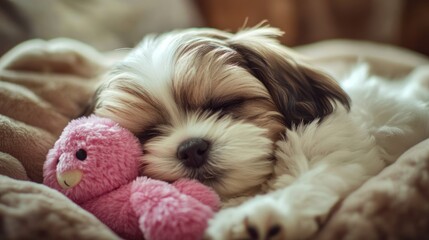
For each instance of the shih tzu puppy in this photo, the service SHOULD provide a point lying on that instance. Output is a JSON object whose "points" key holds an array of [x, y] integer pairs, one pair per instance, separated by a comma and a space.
{"points": [[279, 140]]}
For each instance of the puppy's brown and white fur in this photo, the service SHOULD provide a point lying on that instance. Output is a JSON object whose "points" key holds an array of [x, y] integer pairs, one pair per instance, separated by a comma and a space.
{"points": [[253, 118]]}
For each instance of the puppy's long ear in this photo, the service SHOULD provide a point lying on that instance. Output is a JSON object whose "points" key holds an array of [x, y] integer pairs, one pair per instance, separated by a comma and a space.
{"points": [[300, 92]]}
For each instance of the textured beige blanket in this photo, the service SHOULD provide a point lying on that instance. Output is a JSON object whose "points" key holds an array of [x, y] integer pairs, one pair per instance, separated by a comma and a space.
{"points": [[45, 84], [42, 86]]}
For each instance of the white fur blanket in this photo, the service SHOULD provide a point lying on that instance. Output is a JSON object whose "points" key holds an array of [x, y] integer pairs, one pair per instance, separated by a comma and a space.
{"points": [[43, 86]]}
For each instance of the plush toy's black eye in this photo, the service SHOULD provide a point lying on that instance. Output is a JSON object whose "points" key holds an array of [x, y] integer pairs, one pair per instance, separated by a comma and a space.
{"points": [[81, 154]]}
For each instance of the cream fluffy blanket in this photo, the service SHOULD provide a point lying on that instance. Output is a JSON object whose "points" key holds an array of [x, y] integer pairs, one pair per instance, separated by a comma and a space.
{"points": [[45, 84]]}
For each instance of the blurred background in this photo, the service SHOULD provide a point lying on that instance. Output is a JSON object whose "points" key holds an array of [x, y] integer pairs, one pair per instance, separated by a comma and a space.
{"points": [[111, 24]]}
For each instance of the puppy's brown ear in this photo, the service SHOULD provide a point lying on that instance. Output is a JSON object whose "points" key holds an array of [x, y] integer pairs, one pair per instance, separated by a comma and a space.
{"points": [[301, 93]]}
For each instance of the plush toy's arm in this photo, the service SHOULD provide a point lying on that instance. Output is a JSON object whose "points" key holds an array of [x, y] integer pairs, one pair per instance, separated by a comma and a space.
{"points": [[107, 207], [166, 213], [198, 191]]}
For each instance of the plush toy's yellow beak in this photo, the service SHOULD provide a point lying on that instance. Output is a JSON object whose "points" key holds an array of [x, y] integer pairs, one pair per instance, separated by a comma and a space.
{"points": [[69, 179]]}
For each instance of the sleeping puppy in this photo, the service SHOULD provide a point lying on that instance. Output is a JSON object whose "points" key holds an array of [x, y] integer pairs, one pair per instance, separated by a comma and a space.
{"points": [[247, 116]]}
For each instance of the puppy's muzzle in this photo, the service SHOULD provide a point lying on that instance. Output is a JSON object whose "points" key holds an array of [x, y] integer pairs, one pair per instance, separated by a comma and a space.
{"points": [[193, 152]]}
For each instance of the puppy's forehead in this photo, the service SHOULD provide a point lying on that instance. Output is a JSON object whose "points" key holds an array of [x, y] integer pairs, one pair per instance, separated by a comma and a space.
{"points": [[207, 70]]}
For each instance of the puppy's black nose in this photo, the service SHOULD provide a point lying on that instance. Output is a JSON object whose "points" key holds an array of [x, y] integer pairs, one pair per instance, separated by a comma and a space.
{"points": [[193, 152]]}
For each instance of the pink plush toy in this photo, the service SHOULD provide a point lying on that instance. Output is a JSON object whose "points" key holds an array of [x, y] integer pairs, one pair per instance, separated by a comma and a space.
{"points": [[95, 163]]}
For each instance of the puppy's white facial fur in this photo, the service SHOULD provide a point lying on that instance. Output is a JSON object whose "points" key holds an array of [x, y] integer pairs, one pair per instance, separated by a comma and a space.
{"points": [[236, 91]]}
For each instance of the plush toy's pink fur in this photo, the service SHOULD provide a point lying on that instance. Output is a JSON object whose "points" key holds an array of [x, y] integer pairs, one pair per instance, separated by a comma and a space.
{"points": [[109, 186]]}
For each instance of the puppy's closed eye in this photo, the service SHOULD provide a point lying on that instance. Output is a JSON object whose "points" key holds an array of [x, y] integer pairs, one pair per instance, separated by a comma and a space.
{"points": [[224, 106], [149, 133]]}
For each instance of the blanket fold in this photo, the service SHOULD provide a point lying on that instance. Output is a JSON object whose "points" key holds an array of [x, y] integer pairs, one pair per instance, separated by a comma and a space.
{"points": [[43, 85], [34, 211], [392, 205]]}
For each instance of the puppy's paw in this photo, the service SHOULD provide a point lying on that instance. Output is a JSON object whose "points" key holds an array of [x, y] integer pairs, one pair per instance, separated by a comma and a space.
{"points": [[60, 55], [261, 218]]}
